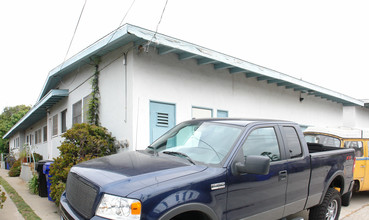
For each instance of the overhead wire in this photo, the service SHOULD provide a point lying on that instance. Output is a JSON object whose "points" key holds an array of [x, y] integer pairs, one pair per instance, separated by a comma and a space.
{"points": [[157, 27], [71, 41], [120, 24], [75, 31]]}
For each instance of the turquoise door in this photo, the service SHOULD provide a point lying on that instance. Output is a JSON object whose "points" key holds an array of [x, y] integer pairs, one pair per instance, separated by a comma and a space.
{"points": [[162, 118]]}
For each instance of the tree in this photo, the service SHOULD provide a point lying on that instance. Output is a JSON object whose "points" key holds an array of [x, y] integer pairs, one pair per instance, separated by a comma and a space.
{"points": [[9, 117]]}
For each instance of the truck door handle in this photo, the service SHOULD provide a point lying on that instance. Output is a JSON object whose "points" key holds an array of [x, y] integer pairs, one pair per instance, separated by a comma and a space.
{"points": [[282, 175], [362, 166]]}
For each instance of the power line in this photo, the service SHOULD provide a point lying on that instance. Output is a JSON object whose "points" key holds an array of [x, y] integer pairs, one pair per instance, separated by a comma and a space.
{"points": [[157, 27], [75, 30], [120, 24]]}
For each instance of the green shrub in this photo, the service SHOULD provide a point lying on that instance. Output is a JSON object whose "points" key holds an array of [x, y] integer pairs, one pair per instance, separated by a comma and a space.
{"points": [[33, 184], [15, 170], [82, 142], [2, 198]]}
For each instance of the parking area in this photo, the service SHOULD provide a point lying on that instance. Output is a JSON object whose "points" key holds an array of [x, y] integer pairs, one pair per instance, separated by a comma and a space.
{"points": [[358, 209]]}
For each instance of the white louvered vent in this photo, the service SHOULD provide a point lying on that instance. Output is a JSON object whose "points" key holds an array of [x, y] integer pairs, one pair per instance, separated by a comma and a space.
{"points": [[162, 119]]}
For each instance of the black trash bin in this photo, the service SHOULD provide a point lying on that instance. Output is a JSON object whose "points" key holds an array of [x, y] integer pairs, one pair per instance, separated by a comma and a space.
{"points": [[42, 185]]}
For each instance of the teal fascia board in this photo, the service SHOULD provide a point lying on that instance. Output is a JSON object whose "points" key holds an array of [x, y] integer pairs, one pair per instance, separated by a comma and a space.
{"points": [[165, 44], [38, 111]]}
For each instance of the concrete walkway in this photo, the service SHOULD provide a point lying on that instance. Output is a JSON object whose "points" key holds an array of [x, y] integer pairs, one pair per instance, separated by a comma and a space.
{"points": [[40, 205]]}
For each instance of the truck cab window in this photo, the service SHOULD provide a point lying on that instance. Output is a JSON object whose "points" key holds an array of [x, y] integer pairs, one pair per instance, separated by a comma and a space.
{"points": [[262, 141], [292, 142], [357, 146]]}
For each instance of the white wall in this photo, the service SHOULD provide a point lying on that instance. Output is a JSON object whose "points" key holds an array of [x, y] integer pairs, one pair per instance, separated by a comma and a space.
{"points": [[114, 101], [40, 148], [128, 85], [186, 84], [356, 117]]}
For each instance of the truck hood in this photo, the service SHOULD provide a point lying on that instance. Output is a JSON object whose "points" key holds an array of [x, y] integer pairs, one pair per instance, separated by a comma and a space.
{"points": [[126, 172]]}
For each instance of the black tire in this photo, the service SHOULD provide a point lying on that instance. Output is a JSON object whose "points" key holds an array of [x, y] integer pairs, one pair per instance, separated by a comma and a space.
{"points": [[346, 198], [329, 209]]}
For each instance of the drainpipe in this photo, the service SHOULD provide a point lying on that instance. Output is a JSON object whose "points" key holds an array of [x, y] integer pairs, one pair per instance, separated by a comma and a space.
{"points": [[49, 144], [125, 87]]}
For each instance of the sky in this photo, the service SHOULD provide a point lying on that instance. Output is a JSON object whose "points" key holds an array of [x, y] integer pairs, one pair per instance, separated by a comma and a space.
{"points": [[324, 42]]}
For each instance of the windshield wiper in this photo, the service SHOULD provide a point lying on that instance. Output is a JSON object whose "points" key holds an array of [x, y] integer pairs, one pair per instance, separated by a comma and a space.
{"points": [[174, 153]]}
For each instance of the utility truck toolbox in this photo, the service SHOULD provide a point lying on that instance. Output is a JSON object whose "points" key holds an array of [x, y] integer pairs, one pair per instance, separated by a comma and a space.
{"points": [[213, 169]]}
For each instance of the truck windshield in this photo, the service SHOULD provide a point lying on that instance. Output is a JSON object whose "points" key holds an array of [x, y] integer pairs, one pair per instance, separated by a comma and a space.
{"points": [[204, 142], [323, 139]]}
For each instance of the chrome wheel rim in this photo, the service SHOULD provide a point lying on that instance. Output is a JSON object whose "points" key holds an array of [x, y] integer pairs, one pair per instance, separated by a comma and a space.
{"points": [[332, 210]]}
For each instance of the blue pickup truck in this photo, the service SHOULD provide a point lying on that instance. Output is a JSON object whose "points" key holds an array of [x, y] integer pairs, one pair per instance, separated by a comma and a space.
{"points": [[214, 169]]}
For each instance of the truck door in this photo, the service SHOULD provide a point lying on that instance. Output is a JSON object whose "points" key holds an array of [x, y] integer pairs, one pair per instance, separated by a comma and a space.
{"points": [[360, 164], [366, 159], [252, 196], [298, 170]]}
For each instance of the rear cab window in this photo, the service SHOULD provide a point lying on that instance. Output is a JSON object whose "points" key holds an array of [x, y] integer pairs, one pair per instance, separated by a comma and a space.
{"points": [[292, 141]]}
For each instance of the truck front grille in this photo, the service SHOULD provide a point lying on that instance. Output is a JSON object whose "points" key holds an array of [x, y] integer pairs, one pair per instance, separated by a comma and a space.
{"points": [[81, 195]]}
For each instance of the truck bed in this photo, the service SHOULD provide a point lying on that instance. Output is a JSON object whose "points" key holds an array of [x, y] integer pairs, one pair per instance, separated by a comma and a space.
{"points": [[327, 162]]}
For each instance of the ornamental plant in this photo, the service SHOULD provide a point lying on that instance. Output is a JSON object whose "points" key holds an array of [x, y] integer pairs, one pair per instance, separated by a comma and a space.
{"points": [[2, 198], [81, 143], [15, 170]]}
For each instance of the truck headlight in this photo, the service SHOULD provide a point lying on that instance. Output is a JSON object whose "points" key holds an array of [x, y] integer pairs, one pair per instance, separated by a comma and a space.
{"points": [[115, 207]]}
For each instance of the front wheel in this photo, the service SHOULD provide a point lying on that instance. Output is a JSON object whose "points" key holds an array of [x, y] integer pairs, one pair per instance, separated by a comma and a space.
{"points": [[329, 209]]}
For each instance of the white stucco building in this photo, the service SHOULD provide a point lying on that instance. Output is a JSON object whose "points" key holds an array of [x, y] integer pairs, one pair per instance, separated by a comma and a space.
{"points": [[150, 82]]}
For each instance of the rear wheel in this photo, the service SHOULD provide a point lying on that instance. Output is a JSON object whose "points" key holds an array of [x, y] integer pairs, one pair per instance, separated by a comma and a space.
{"points": [[329, 209]]}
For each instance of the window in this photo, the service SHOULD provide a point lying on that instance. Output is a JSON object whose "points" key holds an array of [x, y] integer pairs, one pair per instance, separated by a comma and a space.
{"points": [[17, 142], [201, 141], [86, 101], [323, 139], [64, 121], [30, 139], [357, 146], [55, 125], [77, 112], [222, 114], [45, 133], [262, 141], [292, 142], [27, 139], [38, 136], [201, 112]]}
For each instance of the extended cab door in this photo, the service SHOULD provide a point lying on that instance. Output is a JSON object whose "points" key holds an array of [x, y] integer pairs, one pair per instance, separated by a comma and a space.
{"points": [[252, 196], [298, 168]]}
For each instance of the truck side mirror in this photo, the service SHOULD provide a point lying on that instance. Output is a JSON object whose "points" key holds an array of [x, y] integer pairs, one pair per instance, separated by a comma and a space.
{"points": [[254, 164]]}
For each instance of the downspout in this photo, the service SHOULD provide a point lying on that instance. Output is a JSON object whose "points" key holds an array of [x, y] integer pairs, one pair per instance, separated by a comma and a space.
{"points": [[49, 144], [125, 87]]}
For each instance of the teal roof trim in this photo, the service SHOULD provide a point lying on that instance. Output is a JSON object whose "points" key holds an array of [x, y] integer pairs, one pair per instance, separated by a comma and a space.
{"points": [[38, 111], [164, 45]]}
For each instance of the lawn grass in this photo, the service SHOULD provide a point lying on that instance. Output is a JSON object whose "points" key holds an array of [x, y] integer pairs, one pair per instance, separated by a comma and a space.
{"points": [[22, 206]]}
